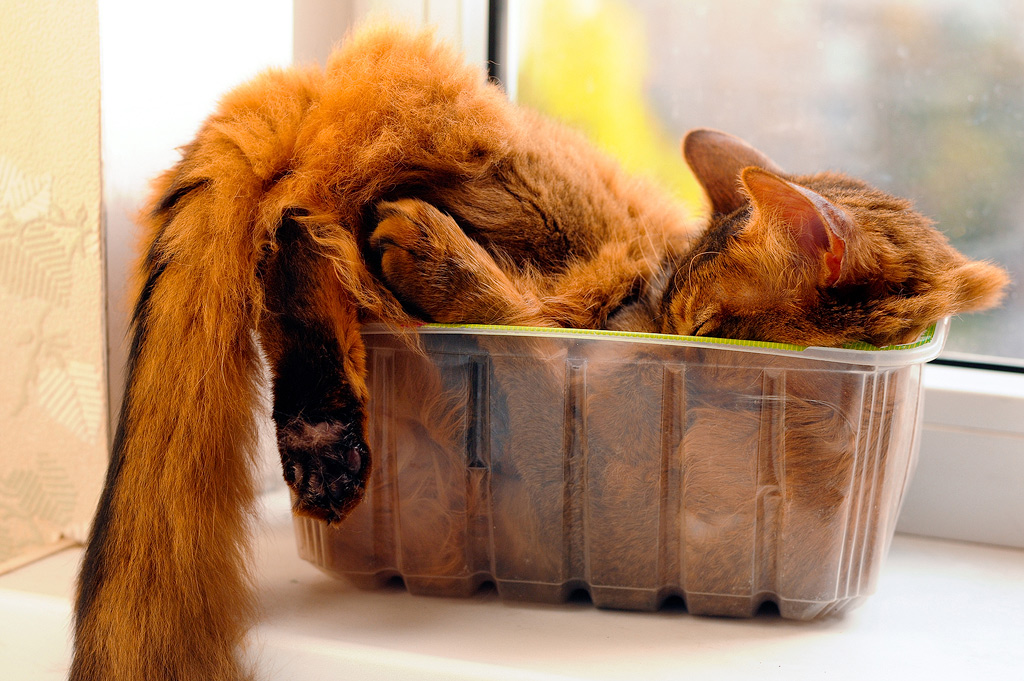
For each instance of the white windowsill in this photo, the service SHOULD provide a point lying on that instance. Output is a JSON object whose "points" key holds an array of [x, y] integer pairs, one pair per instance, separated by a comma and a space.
{"points": [[943, 610], [970, 472]]}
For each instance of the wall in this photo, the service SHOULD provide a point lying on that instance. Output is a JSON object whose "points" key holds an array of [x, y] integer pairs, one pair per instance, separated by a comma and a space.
{"points": [[53, 427]]}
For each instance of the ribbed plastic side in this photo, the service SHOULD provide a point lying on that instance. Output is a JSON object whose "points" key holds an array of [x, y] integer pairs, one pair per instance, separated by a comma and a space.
{"points": [[547, 465]]}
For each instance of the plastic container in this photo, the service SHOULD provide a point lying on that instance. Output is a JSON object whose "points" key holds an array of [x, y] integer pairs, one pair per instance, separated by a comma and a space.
{"points": [[633, 467]]}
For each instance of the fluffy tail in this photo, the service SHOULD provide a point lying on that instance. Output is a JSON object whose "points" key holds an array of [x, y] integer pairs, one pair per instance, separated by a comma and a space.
{"points": [[164, 591]]}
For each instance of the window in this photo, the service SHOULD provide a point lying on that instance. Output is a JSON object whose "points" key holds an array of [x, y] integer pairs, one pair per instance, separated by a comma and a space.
{"points": [[923, 99]]}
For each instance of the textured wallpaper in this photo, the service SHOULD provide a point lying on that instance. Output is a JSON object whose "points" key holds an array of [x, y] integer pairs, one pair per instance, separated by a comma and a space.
{"points": [[53, 425]]}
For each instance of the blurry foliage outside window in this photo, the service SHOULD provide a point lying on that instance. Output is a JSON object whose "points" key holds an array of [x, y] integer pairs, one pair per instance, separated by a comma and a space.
{"points": [[923, 98]]}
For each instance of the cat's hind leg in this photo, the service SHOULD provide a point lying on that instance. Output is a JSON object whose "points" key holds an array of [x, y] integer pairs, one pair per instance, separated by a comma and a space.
{"points": [[310, 335]]}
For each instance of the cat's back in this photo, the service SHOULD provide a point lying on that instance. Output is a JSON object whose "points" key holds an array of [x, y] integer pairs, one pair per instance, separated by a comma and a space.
{"points": [[394, 95], [524, 184], [398, 113]]}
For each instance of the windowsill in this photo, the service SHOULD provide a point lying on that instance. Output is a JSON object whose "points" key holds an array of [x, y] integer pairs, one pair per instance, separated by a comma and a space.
{"points": [[971, 468], [943, 610], [947, 387]]}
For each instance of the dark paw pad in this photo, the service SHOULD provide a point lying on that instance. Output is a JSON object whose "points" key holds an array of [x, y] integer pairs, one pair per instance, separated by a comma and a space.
{"points": [[325, 464]]}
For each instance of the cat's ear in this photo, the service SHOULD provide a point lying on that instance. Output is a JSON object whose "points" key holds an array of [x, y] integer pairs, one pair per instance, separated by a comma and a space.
{"points": [[717, 159], [817, 228]]}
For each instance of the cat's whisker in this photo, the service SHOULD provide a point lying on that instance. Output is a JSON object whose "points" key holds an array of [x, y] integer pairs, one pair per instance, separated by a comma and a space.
{"points": [[689, 266], [645, 227]]}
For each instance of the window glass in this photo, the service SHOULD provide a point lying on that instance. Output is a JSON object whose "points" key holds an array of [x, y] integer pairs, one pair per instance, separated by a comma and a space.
{"points": [[923, 98]]}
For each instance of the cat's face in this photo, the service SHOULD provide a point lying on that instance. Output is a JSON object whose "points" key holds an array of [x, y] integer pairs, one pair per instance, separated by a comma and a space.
{"points": [[718, 294], [813, 260]]}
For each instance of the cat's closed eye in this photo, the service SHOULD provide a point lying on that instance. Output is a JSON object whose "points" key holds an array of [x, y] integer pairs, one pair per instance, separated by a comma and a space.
{"points": [[704, 323]]}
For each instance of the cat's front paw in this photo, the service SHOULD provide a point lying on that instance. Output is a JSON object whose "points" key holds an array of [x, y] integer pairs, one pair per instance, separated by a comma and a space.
{"points": [[326, 465], [427, 261], [405, 238]]}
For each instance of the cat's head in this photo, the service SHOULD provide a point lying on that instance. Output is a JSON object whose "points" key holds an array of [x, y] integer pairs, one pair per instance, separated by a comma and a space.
{"points": [[819, 259]]}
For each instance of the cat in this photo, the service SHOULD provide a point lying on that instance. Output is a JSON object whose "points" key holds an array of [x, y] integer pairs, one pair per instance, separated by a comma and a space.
{"points": [[297, 214], [821, 260]]}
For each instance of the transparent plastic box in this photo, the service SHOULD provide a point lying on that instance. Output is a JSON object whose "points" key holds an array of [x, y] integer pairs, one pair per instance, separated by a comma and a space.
{"points": [[634, 467]]}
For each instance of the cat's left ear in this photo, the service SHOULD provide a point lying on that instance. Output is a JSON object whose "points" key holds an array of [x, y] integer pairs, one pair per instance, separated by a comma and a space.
{"points": [[817, 228], [717, 159]]}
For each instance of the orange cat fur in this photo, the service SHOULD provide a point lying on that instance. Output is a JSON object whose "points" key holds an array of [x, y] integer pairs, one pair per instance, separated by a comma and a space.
{"points": [[819, 259], [262, 228]]}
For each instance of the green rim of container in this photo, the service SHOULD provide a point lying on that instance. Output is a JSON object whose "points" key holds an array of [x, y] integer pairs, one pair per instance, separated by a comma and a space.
{"points": [[925, 338], [924, 349]]}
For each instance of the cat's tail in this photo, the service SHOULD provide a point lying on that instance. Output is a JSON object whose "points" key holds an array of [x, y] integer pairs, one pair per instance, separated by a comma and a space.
{"points": [[164, 591]]}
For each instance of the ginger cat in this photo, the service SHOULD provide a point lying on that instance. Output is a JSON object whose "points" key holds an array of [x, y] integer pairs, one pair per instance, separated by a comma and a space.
{"points": [[311, 201], [821, 260]]}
